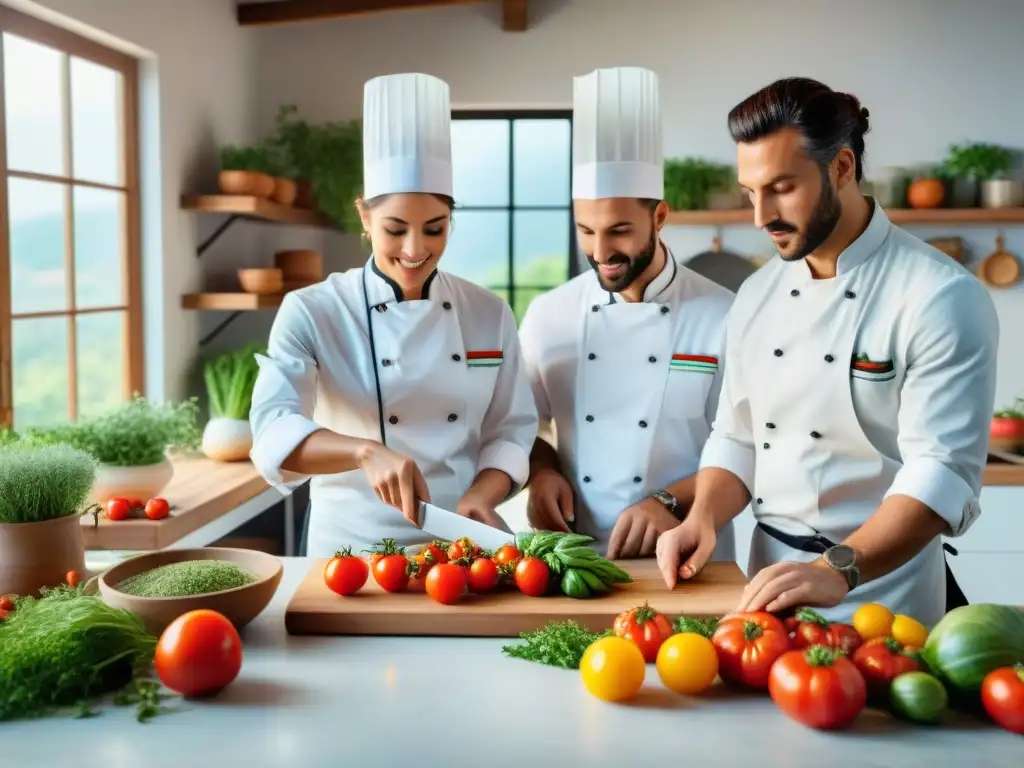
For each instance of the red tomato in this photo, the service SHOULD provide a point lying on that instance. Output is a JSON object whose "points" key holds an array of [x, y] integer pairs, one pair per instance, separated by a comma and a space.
{"points": [[813, 629], [385, 548], [532, 575], [72, 579], [198, 654], [507, 555], [483, 575], [463, 548], [647, 628], [346, 573], [435, 553], [1002, 694], [881, 660], [157, 509], [391, 572], [748, 644], [4, 614], [446, 583], [118, 509], [818, 687], [6, 604], [419, 567]]}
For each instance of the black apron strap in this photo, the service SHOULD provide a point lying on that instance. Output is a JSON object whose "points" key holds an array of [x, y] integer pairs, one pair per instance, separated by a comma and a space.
{"points": [[817, 544], [304, 540]]}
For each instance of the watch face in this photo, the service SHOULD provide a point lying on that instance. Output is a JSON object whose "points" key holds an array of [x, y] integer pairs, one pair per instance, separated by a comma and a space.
{"points": [[842, 556]]}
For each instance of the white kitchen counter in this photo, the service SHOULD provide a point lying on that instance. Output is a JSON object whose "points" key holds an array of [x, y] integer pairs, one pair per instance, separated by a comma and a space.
{"points": [[306, 702]]}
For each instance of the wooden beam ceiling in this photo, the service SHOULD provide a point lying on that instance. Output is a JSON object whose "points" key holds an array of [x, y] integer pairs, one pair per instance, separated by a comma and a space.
{"points": [[292, 11]]}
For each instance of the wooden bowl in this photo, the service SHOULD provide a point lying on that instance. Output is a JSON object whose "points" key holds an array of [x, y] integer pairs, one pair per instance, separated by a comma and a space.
{"points": [[263, 281], [240, 605]]}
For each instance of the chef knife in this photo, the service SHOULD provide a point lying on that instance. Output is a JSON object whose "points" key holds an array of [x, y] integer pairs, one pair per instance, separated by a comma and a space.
{"points": [[449, 526]]}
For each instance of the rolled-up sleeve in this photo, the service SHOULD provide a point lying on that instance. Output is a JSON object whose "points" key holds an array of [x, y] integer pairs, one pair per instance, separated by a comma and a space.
{"points": [[947, 401], [284, 395], [510, 424], [731, 443]]}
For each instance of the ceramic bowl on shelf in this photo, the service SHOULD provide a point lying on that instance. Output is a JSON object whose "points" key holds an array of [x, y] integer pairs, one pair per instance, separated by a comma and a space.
{"points": [[239, 605], [262, 281]]}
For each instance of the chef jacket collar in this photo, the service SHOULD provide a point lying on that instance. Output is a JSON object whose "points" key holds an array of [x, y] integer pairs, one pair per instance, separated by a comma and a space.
{"points": [[861, 249], [656, 290], [381, 289]]}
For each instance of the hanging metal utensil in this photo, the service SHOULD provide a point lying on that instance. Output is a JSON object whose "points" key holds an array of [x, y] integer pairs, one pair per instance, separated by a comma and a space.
{"points": [[724, 267]]}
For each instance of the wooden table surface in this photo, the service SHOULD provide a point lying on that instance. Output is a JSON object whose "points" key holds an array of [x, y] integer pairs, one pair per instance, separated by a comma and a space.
{"points": [[1004, 473]]}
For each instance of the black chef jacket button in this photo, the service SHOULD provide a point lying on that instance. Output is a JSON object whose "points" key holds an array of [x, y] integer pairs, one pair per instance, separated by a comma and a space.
{"points": [[770, 425], [586, 478], [589, 417], [851, 295], [643, 425], [594, 308], [815, 435], [778, 353], [447, 305], [794, 292], [664, 310], [637, 479], [759, 501], [385, 362], [652, 359], [829, 358], [393, 419], [456, 357], [767, 446], [591, 356], [452, 417]]}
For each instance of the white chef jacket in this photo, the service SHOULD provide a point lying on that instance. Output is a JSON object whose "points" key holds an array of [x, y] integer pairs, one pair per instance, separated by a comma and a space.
{"points": [[841, 392], [631, 387], [455, 396]]}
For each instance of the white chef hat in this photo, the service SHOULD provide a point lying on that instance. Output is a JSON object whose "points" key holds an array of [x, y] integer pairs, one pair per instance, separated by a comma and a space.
{"points": [[407, 135], [617, 150]]}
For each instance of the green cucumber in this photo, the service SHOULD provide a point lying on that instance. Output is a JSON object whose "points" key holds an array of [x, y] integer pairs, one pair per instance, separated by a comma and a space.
{"points": [[573, 584], [593, 581]]}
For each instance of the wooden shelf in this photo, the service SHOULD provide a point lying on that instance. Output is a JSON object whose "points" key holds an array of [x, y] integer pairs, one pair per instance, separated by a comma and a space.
{"points": [[937, 216], [254, 208], [238, 301]]}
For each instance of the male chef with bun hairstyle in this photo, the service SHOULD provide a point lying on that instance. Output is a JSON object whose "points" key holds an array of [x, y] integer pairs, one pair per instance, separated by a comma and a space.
{"points": [[625, 359], [859, 386]]}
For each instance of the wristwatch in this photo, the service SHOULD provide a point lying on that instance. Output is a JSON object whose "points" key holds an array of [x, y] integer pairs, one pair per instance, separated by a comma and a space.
{"points": [[844, 559], [670, 503]]}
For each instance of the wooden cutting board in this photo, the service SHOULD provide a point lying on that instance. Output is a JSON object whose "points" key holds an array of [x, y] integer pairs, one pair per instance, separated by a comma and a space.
{"points": [[315, 610]]}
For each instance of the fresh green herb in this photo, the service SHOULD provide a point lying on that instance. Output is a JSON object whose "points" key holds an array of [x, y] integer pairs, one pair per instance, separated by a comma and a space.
{"points": [[192, 577], [64, 648], [705, 627], [977, 162], [136, 434], [146, 696], [230, 379], [43, 482], [690, 181], [557, 644], [255, 159]]}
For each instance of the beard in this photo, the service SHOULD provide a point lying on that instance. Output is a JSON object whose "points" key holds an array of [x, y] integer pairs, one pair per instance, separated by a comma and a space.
{"points": [[822, 223], [637, 264]]}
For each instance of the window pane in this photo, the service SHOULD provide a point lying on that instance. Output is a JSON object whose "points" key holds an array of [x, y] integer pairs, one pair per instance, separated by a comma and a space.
{"points": [[38, 274], [40, 371], [541, 243], [480, 162], [523, 298], [99, 230], [96, 121], [541, 162], [35, 112], [478, 248], [101, 358]]}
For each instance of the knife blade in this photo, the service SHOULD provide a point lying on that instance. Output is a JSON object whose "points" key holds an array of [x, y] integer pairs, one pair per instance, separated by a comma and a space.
{"points": [[449, 526]]}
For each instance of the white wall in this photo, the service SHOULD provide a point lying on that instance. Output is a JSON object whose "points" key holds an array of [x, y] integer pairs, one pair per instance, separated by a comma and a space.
{"points": [[931, 72]]}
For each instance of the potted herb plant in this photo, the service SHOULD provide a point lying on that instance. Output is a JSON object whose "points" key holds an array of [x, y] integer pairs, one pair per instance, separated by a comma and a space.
{"points": [[245, 171], [131, 444], [1007, 429], [43, 493], [229, 380], [693, 184], [970, 167]]}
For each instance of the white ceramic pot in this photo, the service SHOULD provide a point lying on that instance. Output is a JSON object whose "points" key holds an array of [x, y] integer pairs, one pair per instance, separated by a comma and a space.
{"points": [[227, 439], [1001, 193], [133, 483]]}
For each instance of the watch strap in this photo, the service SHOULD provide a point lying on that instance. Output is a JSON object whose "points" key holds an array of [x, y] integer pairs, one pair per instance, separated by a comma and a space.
{"points": [[670, 503]]}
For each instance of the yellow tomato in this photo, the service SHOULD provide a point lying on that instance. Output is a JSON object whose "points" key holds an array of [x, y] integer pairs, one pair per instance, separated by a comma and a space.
{"points": [[613, 669], [872, 620], [909, 632], [687, 663]]}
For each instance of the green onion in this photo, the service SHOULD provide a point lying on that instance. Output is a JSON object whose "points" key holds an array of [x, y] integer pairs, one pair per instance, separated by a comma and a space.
{"points": [[230, 379]]}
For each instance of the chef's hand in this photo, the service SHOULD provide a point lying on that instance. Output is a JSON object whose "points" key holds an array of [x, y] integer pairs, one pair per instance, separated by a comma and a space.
{"points": [[683, 550], [396, 479], [785, 585], [475, 507], [549, 505], [637, 530]]}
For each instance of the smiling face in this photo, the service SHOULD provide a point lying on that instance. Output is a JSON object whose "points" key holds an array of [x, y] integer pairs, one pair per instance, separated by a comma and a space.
{"points": [[795, 201], [620, 238], [409, 233]]}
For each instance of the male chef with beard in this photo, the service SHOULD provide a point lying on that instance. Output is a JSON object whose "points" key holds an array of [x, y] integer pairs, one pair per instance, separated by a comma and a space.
{"points": [[624, 360], [859, 386]]}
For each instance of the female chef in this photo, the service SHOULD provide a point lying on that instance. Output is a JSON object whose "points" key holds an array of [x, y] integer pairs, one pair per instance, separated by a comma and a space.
{"points": [[395, 383]]}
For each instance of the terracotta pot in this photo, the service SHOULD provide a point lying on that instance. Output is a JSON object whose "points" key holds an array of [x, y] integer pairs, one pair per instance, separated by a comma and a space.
{"points": [[262, 281], [926, 193], [246, 183], [285, 191], [227, 439], [134, 483], [37, 555], [304, 197], [300, 266]]}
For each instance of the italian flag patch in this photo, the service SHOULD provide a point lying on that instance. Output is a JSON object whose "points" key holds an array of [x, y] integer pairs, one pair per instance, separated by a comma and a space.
{"points": [[484, 358], [694, 363], [863, 367]]}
